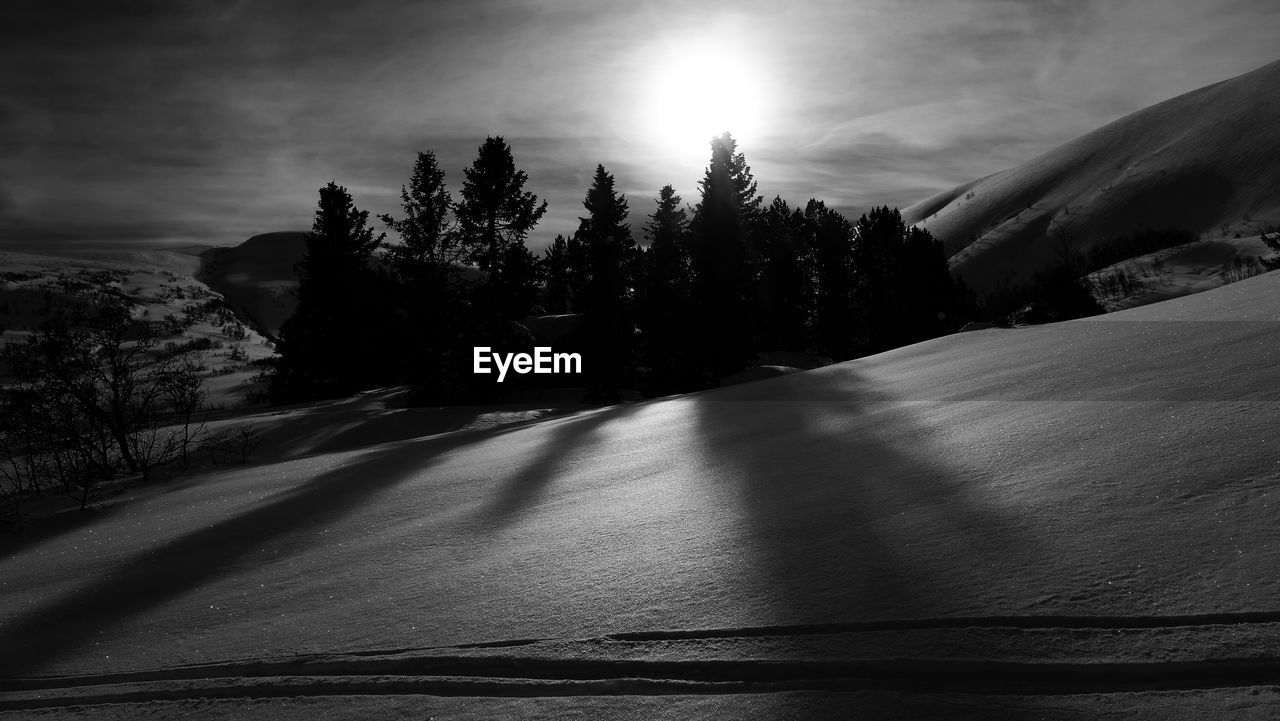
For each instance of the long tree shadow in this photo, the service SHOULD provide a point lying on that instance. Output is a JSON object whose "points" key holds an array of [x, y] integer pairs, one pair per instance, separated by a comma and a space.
{"points": [[314, 431], [43, 634], [853, 513], [572, 439]]}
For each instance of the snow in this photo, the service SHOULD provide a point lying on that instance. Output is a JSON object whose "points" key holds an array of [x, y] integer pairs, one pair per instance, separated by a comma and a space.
{"points": [[158, 284], [1184, 270], [1245, 704], [1205, 162], [1113, 467]]}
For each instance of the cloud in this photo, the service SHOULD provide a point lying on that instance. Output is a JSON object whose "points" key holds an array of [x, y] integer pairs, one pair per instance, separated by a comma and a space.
{"points": [[220, 120]]}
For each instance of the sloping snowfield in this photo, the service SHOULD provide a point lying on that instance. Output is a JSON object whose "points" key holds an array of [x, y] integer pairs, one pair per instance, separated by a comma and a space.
{"points": [[1064, 521], [1184, 270], [1207, 162]]}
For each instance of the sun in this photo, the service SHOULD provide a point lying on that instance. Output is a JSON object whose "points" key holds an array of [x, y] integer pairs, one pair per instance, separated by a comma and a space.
{"points": [[701, 86]]}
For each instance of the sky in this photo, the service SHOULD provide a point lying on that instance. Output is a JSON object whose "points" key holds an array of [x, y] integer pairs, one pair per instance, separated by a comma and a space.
{"points": [[179, 122]]}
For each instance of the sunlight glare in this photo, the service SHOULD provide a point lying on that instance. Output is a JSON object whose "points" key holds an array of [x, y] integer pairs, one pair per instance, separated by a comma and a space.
{"points": [[702, 86]]}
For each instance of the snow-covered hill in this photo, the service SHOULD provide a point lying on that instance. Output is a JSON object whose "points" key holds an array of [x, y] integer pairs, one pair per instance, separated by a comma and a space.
{"points": [[1081, 507], [162, 287], [1207, 162]]}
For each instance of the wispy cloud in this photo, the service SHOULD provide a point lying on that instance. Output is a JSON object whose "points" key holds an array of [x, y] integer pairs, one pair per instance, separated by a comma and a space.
{"points": [[209, 122]]}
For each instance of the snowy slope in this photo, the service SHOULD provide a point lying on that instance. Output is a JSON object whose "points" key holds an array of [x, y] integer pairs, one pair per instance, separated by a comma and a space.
{"points": [[159, 284], [1101, 475], [1182, 270], [1199, 162]]}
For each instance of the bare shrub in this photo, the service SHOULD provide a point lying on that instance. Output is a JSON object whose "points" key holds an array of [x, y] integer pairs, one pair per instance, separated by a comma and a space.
{"points": [[233, 444], [97, 397]]}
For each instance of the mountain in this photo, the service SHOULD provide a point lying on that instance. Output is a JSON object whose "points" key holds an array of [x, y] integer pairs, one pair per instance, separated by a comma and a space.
{"points": [[257, 276], [1207, 162]]}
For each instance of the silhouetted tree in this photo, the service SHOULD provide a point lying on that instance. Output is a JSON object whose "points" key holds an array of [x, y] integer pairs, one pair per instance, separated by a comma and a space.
{"points": [[431, 308], [932, 301], [328, 347], [785, 288], [607, 321], [720, 251], [904, 287], [429, 238], [559, 289], [665, 313], [878, 239], [837, 329], [495, 215], [517, 288]]}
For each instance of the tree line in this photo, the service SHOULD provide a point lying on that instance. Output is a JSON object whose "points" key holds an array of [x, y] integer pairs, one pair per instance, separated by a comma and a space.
{"points": [[692, 297]]}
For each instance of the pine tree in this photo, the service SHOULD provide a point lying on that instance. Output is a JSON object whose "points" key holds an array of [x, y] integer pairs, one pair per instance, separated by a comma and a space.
{"points": [[904, 287], [517, 289], [664, 312], [722, 260], [668, 256], [559, 291], [607, 321], [495, 211], [495, 215], [879, 236], [785, 288], [835, 320], [933, 302], [431, 310], [326, 346], [429, 238]]}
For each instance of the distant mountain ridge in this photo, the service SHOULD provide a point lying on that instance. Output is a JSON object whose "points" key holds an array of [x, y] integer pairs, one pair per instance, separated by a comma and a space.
{"points": [[257, 276], [1198, 162]]}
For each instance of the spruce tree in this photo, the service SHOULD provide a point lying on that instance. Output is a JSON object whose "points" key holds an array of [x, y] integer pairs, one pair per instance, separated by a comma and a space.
{"points": [[495, 211], [664, 315], [836, 332], [431, 311], [558, 290], [879, 236], [722, 261], [904, 287], [328, 346], [495, 215], [607, 321], [428, 234], [784, 292], [933, 302]]}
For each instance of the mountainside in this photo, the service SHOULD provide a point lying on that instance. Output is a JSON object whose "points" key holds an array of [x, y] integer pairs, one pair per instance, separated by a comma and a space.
{"points": [[257, 276], [1207, 162], [161, 286]]}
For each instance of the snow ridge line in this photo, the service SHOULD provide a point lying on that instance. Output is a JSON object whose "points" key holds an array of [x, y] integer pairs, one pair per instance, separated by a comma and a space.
{"points": [[958, 622], [514, 677]]}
